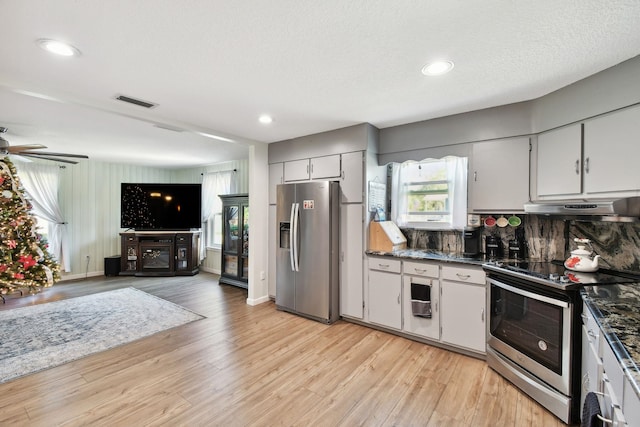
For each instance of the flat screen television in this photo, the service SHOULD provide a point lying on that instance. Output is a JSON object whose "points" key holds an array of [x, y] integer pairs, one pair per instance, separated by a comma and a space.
{"points": [[160, 206]]}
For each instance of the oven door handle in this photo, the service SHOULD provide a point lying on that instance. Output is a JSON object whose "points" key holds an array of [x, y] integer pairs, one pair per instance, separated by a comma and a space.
{"points": [[528, 294]]}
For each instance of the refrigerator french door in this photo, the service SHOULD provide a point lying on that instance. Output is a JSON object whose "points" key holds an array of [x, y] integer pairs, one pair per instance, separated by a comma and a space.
{"points": [[307, 275]]}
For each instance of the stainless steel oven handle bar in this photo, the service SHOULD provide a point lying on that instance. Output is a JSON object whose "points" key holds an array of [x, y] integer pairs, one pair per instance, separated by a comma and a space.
{"points": [[528, 294]]}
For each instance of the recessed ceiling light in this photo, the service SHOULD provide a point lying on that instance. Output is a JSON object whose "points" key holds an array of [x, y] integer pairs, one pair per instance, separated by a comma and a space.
{"points": [[57, 47], [265, 119], [437, 68]]}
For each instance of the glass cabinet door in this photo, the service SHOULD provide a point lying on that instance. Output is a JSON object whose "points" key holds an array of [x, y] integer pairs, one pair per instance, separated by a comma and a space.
{"points": [[231, 228], [245, 230], [235, 245]]}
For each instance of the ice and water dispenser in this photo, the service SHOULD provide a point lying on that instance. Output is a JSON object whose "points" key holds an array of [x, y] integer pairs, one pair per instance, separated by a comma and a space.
{"points": [[285, 232]]}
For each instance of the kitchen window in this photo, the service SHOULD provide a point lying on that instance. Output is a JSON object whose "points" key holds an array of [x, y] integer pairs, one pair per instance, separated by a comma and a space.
{"points": [[430, 194]]}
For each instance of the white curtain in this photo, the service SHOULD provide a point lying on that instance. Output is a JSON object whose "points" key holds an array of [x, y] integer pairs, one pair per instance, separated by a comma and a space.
{"points": [[213, 185], [398, 199], [41, 182], [457, 169], [457, 177]]}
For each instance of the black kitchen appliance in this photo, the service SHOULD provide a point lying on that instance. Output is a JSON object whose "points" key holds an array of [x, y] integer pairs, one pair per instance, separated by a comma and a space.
{"points": [[493, 247], [516, 249], [472, 241]]}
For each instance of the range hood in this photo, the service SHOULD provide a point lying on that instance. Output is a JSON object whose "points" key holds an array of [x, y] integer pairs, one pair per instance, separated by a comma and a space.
{"points": [[621, 209]]}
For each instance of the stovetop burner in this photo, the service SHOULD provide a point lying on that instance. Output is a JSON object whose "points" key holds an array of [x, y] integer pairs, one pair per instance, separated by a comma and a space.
{"points": [[553, 273]]}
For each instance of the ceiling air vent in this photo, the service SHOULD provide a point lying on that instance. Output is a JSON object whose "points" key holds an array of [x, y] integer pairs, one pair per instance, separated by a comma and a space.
{"points": [[134, 101]]}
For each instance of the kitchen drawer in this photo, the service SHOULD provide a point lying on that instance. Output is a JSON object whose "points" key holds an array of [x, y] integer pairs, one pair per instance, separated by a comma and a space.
{"points": [[613, 370], [631, 404], [592, 328], [421, 269], [385, 264], [463, 274]]}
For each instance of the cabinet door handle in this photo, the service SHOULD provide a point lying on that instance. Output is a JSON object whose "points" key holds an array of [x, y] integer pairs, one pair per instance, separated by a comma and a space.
{"points": [[586, 165], [383, 265], [482, 314], [604, 420], [420, 270], [311, 167], [585, 382], [462, 276], [398, 298], [578, 167], [475, 175], [342, 174]]}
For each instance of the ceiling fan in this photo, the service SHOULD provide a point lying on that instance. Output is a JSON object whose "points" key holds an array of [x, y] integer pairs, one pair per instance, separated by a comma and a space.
{"points": [[27, 151]]}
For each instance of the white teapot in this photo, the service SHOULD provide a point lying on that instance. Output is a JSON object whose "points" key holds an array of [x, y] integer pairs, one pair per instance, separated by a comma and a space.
{"points": [[580, 259]]}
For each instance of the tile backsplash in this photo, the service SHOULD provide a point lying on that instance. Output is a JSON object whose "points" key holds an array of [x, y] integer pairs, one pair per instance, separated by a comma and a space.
{"points": [[548, 238]]}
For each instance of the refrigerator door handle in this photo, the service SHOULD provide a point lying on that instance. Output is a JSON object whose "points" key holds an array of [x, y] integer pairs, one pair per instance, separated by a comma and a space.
{"points": [[296, 230], [292, 234]]}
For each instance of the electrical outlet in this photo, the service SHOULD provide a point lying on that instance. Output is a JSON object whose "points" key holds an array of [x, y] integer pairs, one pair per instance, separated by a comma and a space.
{"points": [[262, 275]]}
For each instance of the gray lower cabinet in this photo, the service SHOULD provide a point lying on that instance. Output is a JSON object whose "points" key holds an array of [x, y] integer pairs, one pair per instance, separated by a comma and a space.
{"points": [[456, 296], [351, 261], [421, 289], [385, 289], [463, 312]]}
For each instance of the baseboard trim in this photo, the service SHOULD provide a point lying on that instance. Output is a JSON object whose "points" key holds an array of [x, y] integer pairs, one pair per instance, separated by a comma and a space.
{"points": [[210, 270], [256, 301], [67, 277]]}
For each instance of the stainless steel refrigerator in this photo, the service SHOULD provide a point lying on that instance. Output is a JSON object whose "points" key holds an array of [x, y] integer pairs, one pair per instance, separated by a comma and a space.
{"points": [[307, 275]]}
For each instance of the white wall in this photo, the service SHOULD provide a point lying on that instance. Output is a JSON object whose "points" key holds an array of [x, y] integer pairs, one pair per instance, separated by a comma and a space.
{"points": [[90, 202], [258, 291]]}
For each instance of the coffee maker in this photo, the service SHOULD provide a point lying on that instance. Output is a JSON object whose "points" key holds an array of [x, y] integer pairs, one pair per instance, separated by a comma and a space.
{"points": [[472, 238], [517, 246], [493, 247], [516, 249]]}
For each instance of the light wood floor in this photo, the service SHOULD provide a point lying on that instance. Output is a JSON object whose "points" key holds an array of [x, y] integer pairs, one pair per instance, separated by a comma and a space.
{"points": [[258, 366]]}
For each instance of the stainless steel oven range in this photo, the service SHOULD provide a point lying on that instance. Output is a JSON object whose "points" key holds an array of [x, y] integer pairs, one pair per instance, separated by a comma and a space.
{"points": [[534, 330]]}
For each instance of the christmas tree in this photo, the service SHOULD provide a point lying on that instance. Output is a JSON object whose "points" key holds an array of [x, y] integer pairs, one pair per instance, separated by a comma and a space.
{"points": [[25, 263]]}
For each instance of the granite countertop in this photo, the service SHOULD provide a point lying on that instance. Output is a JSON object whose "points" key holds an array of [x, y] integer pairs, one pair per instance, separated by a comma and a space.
{"points": [[431, 255], [616, 308]]}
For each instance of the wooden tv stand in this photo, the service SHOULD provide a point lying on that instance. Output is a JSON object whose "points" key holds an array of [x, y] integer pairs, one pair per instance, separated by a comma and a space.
{"points": [[160, 253]]}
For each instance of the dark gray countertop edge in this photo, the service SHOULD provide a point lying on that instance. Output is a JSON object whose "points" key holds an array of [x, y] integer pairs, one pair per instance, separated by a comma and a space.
{"points": [[422, 255]]}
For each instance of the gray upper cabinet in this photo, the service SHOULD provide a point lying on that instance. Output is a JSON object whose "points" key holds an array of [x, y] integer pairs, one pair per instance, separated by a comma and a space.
{"points": [[611, 152], [276, 176], [352, 177], [596, 158], [324, 167], [559, 170], [499, 175], [296, 170]]}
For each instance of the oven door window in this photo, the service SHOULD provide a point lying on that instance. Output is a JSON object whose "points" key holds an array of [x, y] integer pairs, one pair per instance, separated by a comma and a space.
{"points": [[530, 326]]}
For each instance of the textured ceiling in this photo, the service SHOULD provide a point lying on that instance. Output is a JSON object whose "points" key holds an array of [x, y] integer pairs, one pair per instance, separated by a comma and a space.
{"points": [[215, 66]]}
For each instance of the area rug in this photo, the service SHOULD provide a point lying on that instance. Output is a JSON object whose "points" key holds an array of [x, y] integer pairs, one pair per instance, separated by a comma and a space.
{"points": [[42, 336]]}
